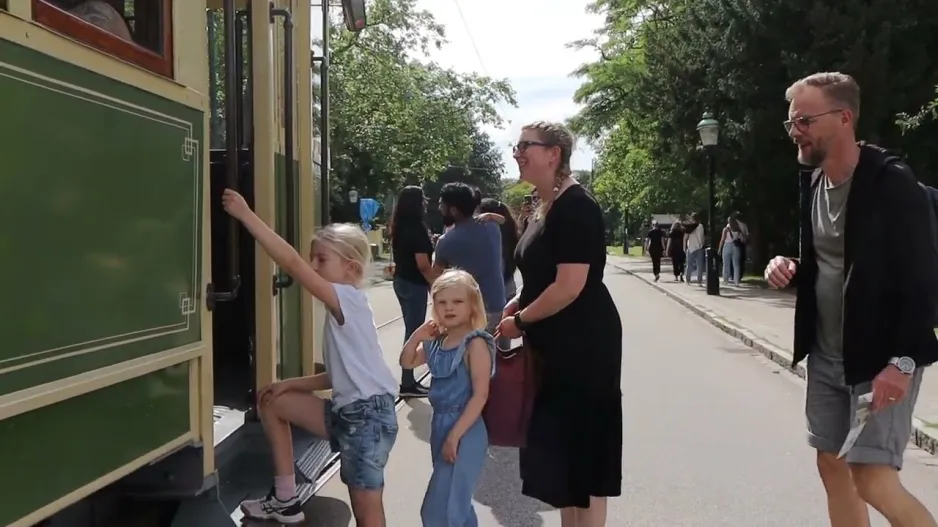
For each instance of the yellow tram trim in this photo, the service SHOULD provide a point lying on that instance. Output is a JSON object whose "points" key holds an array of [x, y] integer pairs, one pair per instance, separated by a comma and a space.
{"points": [[190, 85], [37, 397]]}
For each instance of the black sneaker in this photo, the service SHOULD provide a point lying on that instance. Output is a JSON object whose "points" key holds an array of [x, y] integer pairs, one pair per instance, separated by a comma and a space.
{"points": [[656, 278], [414, 391], [271, 508]]}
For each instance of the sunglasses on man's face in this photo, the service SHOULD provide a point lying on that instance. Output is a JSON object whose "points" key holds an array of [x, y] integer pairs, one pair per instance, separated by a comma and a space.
{"points": [[524, 145], [804, 122]]}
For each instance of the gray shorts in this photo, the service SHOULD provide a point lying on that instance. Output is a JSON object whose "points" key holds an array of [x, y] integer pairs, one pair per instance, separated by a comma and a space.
{"points": [[830, 406]]}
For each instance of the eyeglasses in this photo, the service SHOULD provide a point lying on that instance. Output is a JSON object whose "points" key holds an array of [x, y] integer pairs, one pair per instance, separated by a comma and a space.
{"points": [[524, 145], [804, 122]]}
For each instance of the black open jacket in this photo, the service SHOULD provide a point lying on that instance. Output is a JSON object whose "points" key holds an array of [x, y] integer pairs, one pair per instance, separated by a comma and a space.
{"points": [[890, 270]]}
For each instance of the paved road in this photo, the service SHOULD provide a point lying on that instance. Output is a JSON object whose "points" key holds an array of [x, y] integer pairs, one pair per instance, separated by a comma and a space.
{"points": [[714, 437]]}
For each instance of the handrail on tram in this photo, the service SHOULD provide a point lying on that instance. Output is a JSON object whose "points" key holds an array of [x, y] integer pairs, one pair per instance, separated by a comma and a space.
{"points": [[283, 281], [232, 85]]}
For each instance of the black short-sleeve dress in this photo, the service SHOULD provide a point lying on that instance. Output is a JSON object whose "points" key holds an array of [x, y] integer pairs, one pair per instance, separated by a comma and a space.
{"points": [[574, 444]]}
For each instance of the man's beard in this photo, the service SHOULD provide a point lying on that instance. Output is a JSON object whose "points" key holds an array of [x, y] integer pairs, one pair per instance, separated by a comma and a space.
{"points": [[448, 220], [816, 154]]}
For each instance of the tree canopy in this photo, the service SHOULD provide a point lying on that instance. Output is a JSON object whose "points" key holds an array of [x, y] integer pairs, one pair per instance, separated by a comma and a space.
{"points": [[398, 118], [662, 64]]}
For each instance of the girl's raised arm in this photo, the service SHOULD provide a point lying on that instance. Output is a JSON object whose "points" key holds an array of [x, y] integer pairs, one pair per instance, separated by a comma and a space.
{"points": [[413, 354], [283, 253]]}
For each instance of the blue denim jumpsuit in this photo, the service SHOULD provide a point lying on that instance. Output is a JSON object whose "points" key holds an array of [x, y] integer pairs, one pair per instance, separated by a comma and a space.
{"points": [[448, 501]]}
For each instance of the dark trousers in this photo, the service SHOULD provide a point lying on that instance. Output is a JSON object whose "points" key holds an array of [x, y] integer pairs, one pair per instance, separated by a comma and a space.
{"points": [[742, 258], [677, 263], [656, 263], [413, 300]]}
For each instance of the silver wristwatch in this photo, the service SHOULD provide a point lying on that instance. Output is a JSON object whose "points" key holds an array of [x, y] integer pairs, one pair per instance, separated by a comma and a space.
{"points": [[905, 364]]}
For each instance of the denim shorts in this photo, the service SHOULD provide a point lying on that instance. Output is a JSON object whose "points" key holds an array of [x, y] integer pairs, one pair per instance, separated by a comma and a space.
{"points": [[362, 433]]}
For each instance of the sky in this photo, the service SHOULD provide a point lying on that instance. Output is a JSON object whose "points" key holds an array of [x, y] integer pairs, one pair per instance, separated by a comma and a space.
{"points": [[523, 41]]}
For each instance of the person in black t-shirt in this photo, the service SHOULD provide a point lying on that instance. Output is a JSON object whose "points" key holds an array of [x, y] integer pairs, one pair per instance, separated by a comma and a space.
{"points": [[412, 251], [655, 245]]}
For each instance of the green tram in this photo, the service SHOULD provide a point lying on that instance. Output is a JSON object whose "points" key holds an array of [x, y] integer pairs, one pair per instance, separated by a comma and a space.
{"points": [[137, 321]]}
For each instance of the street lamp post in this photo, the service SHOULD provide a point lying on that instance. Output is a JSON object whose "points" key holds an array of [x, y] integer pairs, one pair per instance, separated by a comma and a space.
{"points": [[709, 129]]}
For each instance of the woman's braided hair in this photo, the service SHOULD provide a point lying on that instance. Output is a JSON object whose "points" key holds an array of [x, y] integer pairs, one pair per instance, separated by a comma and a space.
{"points": [[555, 134]]}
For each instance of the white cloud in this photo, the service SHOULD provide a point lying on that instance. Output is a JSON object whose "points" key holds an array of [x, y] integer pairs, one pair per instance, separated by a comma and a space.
{"points": [[525, 42]]}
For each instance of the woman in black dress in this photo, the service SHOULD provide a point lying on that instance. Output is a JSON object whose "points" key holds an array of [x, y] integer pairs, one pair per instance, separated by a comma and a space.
{"points": [[573, 458]]}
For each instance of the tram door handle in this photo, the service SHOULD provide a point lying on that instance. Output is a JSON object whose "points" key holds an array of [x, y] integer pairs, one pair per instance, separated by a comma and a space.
{"points": [[282, 281], [232, 159]]}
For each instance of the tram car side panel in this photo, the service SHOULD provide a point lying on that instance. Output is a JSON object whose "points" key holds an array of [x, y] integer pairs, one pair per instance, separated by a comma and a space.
{"points": [[104, 167]]}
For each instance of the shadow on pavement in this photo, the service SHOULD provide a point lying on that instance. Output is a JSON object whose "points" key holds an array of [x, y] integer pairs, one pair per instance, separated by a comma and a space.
{"points": [[419, 418], [324, 512], [500, 490]]}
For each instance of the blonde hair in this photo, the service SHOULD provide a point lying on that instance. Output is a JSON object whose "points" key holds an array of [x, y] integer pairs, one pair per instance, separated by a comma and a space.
{"points": [[554, 134], [460, 278], [349, 242], [840, 88]]}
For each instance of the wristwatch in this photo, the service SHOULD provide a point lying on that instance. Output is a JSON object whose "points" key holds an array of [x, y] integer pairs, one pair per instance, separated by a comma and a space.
{"points": [[905, 364], [520, 324]]}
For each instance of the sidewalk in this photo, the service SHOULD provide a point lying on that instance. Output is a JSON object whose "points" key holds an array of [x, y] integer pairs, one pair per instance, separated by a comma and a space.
{"points": [[763, 319]]}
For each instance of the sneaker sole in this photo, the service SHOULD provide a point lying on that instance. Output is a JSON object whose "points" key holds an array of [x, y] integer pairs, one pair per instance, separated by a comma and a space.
{"points": [[299, 518]]}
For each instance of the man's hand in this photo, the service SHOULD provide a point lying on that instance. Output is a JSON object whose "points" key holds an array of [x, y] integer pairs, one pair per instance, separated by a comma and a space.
{"points": [[889, 387], [780, 271]]}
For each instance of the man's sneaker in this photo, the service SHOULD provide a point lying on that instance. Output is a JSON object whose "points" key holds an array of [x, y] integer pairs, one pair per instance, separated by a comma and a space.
{"points": [[415, 390], [270, 508]]}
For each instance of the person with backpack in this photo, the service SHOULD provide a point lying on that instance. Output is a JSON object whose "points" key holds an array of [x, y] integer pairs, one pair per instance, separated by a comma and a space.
{"points": [[864, 319]]}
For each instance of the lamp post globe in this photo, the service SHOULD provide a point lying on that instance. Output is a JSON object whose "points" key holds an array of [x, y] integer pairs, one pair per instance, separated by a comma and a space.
{"points": [[709, 129]]}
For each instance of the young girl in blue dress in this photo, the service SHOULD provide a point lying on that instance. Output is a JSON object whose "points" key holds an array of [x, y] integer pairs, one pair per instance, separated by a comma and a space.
{"points": [[460, 355]]}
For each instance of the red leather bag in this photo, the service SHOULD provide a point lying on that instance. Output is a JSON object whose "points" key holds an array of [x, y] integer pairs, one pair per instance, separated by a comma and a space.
{"points": [[512, 389]]}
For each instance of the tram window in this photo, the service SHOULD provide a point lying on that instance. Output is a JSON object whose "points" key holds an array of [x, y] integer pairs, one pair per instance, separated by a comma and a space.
{"points": [[138, 31]]}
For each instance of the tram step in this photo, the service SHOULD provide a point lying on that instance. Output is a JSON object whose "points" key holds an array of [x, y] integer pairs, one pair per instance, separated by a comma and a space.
{"points": [[313, 460]]}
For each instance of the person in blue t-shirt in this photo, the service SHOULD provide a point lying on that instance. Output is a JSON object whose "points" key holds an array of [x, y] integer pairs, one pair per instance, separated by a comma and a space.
{"points": [[472, 245]]}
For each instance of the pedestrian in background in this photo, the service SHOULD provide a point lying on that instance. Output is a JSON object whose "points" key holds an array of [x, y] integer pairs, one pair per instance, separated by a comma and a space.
{"points": [[654, 243]]}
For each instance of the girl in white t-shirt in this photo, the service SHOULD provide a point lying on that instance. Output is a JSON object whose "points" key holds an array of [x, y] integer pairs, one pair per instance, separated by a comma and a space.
{"points": [[359, 420]]}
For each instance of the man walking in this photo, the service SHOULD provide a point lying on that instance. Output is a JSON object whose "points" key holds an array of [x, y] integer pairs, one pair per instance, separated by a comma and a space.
{"points": [[472, 245], [863, 318]]}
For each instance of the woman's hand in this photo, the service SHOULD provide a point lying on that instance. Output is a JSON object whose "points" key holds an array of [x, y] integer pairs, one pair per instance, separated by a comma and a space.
{"points": [[235, 205], [272, 391], [490, 216], [508, 329], [510, 308], [450, 448]]}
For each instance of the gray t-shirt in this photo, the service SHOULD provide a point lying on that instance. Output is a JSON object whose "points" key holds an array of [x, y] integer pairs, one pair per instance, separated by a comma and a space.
{"points": [[476, 247], [828, 215]]}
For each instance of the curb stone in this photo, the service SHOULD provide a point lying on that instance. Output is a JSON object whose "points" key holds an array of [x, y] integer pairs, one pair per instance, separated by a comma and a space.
{"points": [[922, 436]]}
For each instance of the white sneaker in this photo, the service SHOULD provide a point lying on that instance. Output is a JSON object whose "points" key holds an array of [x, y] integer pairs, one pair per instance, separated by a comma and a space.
{"points": [[270, 508]]}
